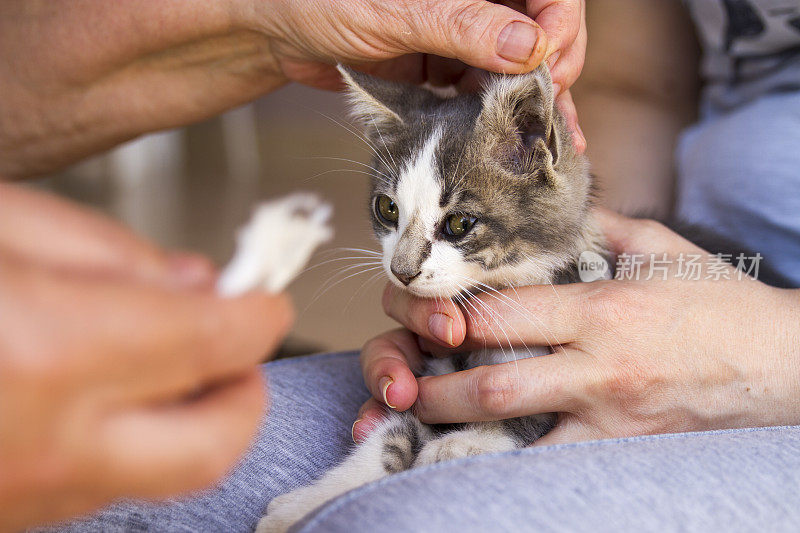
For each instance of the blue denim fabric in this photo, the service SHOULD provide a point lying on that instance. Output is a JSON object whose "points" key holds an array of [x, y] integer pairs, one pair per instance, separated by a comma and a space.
{"points": [[744, 480]]}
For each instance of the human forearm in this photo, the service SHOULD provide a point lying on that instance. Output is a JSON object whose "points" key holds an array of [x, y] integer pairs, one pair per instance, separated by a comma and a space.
{"points": [[114, 70], [637, 92], [788, 340], [145, 66]]}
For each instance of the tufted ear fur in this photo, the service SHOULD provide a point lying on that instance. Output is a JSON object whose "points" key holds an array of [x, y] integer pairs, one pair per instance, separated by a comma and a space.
{"points": [[374, 103], [519, 114]]}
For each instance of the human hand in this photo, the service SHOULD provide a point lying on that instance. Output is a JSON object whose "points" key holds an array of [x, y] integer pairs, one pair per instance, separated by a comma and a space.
{"points": [[122, 374], [514, 37], [630, 357], [565, 25], [43, 229], [113, 71]]}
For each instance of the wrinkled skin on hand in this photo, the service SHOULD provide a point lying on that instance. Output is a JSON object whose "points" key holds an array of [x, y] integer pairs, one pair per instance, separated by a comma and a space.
{"points": [[441, 42], [79, 78]]}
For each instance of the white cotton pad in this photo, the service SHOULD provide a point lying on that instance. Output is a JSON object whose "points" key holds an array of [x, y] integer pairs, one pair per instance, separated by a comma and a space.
{"points": [[276, 244]]}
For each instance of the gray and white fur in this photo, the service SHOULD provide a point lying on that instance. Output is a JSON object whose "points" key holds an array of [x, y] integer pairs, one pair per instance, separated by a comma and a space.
{"points": [[470, 194]]}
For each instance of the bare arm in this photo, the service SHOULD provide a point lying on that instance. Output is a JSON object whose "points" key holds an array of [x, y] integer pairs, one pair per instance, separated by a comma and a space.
{"points": [[638, 90], [142, 66], [80, 76]]}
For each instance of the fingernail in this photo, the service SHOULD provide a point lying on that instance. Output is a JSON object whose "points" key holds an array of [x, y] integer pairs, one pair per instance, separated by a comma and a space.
{"points": [[556, 89], [517, 41], [553, 59], [362, 428], [441, 327], [385, 382], [353, 430]]}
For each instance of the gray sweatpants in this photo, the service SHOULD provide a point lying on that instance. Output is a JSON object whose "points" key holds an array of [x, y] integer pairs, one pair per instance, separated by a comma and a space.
{"points": [[744, 480]]}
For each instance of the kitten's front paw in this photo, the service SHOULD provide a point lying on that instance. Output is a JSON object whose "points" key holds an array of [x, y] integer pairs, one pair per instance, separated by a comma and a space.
{"points": [[285, 510], [463, 444]]}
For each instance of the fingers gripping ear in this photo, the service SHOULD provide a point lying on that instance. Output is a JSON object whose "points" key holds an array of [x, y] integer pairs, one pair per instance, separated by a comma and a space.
{"points": [[487, 35]]}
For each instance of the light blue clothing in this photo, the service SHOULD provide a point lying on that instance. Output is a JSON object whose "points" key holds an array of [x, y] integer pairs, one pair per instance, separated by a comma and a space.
{"points": [[747, 480], [739, 173], [706, 482], [739, 167]]}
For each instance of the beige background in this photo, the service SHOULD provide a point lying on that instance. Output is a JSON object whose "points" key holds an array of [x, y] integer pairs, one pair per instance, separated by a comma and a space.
{"points": [[197, 201]]}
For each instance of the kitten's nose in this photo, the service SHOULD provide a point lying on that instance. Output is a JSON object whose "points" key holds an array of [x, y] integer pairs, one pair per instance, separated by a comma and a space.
{"points": [[404, 278]]}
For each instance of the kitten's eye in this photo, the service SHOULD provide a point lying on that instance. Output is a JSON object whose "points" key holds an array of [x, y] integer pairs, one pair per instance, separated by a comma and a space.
{"points": [[458, 225], [387, 210]]}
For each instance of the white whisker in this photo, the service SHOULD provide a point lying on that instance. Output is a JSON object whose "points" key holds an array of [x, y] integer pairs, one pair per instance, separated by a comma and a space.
{"points": [[363, 286], [358, 135], [364, 250], [518, 307], [328, 285], [384, 143], [335, 259], [343, 170], [353, 161], [468, 301], [494, 315]]}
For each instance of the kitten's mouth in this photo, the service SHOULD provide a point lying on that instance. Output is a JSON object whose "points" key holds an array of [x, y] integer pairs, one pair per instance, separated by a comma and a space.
{"points": [[448, 293]]}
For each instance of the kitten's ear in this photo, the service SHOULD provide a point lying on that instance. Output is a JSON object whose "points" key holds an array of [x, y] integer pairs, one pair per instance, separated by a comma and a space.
{"points": [[519, 114], [374, 103]]}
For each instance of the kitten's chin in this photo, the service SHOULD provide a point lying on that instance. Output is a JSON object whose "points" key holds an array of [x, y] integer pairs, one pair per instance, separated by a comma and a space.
{"points": [[429, 292]]}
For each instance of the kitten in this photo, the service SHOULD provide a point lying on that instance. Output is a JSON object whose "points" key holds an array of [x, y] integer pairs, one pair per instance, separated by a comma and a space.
{"points": [[469, 193]]}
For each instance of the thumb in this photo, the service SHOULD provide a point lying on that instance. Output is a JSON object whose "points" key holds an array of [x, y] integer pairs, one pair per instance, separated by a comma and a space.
{"points": [[482, 34]]}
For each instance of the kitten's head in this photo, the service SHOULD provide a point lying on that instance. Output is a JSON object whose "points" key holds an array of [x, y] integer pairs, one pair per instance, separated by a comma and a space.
{"points": [[475, 190]]}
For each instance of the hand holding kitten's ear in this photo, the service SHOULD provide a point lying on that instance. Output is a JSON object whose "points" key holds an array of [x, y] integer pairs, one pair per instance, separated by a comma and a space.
{"points": [[479, 33], [513, 38], [564, 23]]}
